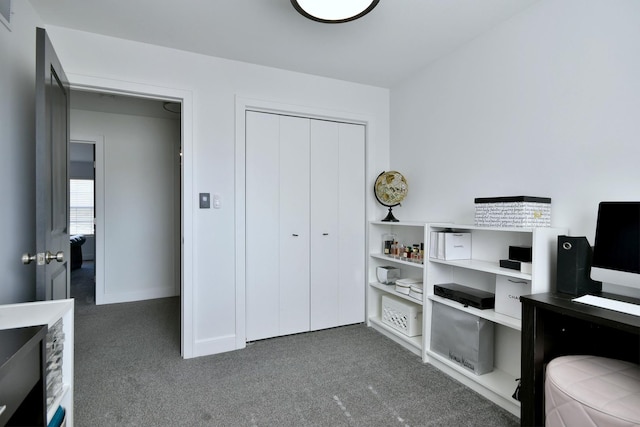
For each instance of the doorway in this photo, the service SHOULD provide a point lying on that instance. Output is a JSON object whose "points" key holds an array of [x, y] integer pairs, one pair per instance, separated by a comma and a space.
{"points": [[137, 195], [189, 346], [83, 169]]}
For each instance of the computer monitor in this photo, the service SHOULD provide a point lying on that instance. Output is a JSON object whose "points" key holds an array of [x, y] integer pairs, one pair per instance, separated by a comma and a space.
{"points": [[616, 252]]}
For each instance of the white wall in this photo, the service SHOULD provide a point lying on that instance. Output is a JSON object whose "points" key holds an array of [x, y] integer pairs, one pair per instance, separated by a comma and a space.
{"points": [[141, 204], [546, 104], [17, 161], [214, 84]]}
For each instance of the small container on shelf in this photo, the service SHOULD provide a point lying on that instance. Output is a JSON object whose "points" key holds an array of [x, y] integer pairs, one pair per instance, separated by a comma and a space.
{"points": [[416, 255], [387, 242], [416, 291], [406, 255], [387, 274], [403, 286]]}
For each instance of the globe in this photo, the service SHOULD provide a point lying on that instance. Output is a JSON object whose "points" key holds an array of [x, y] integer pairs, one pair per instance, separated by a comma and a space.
{"points": [[390, 189]]}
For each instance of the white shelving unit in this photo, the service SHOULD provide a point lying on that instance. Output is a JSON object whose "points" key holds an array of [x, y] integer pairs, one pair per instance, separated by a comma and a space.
{"points": [[406, 233], [48, 313], [488, 246]]}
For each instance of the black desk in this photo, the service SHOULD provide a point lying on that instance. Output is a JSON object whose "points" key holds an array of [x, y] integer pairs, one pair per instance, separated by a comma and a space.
{"points": [[553, 325], [22, 376]]}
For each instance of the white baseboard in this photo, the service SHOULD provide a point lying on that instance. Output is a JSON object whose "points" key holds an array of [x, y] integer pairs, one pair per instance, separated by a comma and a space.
{"points": [[215, 345], [137, 296]]}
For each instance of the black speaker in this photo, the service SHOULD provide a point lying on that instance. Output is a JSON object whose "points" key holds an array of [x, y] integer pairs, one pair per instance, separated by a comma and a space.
{"points": [[574, 267]]}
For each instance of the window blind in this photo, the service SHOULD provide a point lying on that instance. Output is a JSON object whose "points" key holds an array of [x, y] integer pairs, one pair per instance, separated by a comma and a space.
{"points": [[81, 212]]}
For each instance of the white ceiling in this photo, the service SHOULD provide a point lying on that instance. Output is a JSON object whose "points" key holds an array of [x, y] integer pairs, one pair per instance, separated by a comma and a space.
{"points": [[394, 41]]}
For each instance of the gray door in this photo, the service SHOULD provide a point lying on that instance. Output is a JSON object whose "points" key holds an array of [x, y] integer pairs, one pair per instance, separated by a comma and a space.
{"points": [[52, 180]]}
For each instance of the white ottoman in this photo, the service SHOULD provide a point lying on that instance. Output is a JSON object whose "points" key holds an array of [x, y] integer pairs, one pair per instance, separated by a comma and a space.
{"points": [[592, 391]]}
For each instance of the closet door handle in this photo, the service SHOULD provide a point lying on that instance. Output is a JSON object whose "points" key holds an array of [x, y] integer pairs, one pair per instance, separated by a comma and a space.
{"points": [[325, 234], [294, 235]]}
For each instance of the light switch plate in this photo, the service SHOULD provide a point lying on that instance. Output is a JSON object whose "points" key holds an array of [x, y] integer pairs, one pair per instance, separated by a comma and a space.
{"points": [[217, 201], [205, 201]]}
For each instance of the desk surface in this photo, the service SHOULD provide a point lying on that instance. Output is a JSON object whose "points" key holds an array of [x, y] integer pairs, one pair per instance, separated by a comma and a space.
{"points": [[563, 304], [22, 385], [14, 340]]}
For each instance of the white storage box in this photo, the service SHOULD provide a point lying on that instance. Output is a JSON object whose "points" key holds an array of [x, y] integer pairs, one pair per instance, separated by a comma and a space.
{"points": [[462, 338], [450, 245], [416, 291], [403, 286], [402, 315], [508, 292], [518, 211], [387, 275], [457, 245]]}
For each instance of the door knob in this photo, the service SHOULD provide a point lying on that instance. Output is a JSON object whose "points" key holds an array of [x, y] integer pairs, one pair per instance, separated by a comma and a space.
{"points": [[43, 258], [28, 258], [58, 256]]}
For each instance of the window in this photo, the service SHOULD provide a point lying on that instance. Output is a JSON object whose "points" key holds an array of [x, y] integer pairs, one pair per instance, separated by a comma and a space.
{"points": [[81, 206]]}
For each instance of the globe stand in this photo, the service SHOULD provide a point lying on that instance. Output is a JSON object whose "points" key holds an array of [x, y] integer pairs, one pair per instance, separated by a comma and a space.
{"points": [[390, 189], [390, 217]]}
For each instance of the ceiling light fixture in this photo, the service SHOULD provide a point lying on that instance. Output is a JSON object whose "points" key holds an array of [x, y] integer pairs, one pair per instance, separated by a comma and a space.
{"points": [[334, 11]]}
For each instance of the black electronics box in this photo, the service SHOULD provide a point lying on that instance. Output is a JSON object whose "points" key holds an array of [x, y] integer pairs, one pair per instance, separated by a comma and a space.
{"points": [[520, 253], [466, 295], [509, 263]]}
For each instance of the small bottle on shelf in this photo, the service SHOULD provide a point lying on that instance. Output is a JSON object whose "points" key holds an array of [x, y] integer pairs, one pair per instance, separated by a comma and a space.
{"points": [[415, 254], [406, 252], [387, 242]]}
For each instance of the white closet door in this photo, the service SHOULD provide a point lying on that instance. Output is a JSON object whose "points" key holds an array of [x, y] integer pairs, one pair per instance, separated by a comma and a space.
{"points": [[337, 224], [352, 224], [324, 224], [262, 225], [294, 225], [305, 224]]}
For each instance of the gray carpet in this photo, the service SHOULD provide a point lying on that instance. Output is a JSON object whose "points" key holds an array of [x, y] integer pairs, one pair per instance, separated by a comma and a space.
{"points": [[83, 288], [129, 373]]}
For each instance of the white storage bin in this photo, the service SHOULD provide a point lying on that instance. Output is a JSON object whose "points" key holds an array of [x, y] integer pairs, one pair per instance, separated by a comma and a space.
{"points": [[450, 245], [416, 291], [518, 211], [457, 245], [387, 275], [462, 338], [403, 286], [402, 315], [508, 292]]}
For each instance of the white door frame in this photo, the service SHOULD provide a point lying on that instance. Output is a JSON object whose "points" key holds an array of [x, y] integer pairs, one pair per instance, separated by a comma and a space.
{"points": [[244, 104], [185, 97]]}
